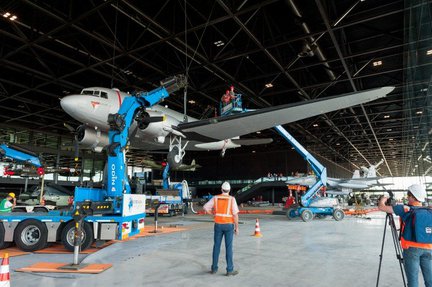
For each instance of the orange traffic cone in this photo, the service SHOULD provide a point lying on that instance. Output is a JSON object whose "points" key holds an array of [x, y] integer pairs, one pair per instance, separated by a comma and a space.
{"points": [[257, 229], [4, 272]]}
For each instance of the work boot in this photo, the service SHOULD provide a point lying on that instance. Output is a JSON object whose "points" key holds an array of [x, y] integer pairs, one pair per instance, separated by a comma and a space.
{"points": [[232, 273]]}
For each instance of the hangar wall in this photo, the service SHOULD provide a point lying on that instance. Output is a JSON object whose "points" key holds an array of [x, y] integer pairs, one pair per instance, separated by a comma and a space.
{"points": [[245, 166]]}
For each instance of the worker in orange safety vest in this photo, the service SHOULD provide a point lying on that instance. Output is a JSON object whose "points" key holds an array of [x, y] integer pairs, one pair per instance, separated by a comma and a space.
{"points": [[225, 210]]}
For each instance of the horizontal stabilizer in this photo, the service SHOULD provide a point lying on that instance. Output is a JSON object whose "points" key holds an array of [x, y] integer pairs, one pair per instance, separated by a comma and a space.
{"points": [[252, 141]]}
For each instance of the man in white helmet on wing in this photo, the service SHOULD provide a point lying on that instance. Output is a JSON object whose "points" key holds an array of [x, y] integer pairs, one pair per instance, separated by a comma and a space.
{"points": [[225, 210]]}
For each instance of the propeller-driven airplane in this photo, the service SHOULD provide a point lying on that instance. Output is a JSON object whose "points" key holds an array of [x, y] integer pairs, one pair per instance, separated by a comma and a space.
{"points": [[150, 163], [364, 179], [162, 128]]}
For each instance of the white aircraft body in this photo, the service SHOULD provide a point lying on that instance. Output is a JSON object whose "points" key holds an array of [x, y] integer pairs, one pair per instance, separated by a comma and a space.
{"points": [[164, 128], [344, 186]]}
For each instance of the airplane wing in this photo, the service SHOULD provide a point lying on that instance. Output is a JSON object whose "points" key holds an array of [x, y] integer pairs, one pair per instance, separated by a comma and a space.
{"points": [[226, 127], [252, 141]]}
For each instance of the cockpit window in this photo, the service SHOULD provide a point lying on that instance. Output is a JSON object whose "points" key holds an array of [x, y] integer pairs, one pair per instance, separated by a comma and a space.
{"points": [[87, 92], [95, 93], [104, 95]]}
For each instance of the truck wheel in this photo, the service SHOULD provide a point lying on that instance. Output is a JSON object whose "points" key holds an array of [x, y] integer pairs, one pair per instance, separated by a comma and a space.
{"points": [[31, 235], [338, 214], [67, 236], [291, 213], [3, 244], [306, 215]]}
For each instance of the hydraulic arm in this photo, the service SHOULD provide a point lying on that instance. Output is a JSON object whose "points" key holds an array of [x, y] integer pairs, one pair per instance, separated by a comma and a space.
{"points": [[319, 170], [19, 154], [132, 109]]}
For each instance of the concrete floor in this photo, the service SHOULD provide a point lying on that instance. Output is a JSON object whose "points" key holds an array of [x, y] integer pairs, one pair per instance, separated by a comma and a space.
{"points": [[291, 253]]}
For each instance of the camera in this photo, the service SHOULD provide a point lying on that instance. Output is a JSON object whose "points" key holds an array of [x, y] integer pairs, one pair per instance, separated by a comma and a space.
{"points": [[390, 201]]}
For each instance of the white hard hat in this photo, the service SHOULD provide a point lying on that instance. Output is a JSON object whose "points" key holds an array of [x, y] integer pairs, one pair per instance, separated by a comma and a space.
{"points": [[226, 187], [418, 191]]}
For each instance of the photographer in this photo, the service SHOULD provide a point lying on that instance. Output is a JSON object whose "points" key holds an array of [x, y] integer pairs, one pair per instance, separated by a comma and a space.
{"points": [[415, 254]]}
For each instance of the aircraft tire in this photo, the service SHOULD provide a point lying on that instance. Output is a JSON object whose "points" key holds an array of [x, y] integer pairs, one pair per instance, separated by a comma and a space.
{"points": [[173, 159]]}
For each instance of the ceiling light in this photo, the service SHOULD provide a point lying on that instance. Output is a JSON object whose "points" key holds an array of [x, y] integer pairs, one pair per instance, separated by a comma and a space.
{"points": [[377, 63], [389, 130], [253, 151], [386, 116], [258, 132], [419, 112], [13, 18], [6, 15], [219, 43], [191, 102], [337, 143], [429, 52], [269, 85], [315, 125]]}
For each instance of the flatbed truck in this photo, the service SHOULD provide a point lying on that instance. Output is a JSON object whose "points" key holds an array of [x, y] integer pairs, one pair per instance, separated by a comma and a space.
{"points": [[110, 213]]}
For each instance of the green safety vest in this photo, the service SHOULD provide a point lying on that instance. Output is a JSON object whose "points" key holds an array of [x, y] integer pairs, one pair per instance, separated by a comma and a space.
{"points": [[3, 208]]}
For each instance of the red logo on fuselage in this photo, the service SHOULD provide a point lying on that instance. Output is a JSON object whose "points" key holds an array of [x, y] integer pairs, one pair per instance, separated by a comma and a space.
{"points": [[94, 104]]}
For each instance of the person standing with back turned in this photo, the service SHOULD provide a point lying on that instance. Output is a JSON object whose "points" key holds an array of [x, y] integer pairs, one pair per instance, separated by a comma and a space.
{"points": [[416, 255], [225, 210]]}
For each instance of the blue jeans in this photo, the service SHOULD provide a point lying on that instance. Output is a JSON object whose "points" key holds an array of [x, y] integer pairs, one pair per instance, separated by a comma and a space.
{"points": [[414, 258], [221, 230]]}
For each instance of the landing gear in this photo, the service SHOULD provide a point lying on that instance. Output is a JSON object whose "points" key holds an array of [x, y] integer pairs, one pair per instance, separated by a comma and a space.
{"points": [[176, 152]]}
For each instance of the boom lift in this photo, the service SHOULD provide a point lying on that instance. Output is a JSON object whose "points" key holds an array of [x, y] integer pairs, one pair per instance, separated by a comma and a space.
{"points": [[111, 213], [27, 157], [309, 204]]}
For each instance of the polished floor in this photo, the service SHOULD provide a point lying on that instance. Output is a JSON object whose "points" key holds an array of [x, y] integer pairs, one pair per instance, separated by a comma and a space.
{"points": [[291, 253]]}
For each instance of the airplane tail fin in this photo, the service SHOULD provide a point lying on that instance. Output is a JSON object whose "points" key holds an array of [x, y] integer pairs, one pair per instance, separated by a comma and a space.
{"points": [[356, 174], [373, 168]]}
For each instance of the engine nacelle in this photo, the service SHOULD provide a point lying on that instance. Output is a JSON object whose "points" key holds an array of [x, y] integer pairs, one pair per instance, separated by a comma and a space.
{"points": [[155, 124], [92, 138]]}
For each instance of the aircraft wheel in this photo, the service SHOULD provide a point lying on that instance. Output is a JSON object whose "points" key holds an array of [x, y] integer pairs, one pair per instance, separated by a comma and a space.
{"points": [[3, 244], [31, 235], [174, 159], [306, 215], [291, 213], [68, 232], [338, 214]]}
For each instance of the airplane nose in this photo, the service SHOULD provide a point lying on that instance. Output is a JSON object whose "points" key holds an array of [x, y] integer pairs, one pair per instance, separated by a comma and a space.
{"points": [[67, 104]]}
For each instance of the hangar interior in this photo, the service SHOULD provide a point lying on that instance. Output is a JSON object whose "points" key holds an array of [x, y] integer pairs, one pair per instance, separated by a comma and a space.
{"points": [[279, 55], [273, 52]]}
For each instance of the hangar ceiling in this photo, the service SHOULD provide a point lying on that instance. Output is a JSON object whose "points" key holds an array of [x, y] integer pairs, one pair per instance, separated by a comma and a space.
{"points": [[304, 49]]}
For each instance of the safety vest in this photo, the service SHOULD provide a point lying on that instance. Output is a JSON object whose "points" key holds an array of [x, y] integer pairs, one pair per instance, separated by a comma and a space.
{"points": [[405, 244], [3, 207], [223, 209]]}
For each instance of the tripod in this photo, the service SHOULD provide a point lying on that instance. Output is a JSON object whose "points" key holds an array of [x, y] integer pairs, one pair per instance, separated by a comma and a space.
{"points": [[397, 246]]}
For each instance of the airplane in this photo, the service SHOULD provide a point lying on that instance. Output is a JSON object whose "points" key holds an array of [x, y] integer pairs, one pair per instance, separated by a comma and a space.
{"points": [[345, 186], [158, 127], [149, 163]]}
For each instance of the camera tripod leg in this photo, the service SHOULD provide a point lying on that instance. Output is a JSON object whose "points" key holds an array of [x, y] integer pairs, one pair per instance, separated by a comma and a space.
{"points": [[397, 246]]}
